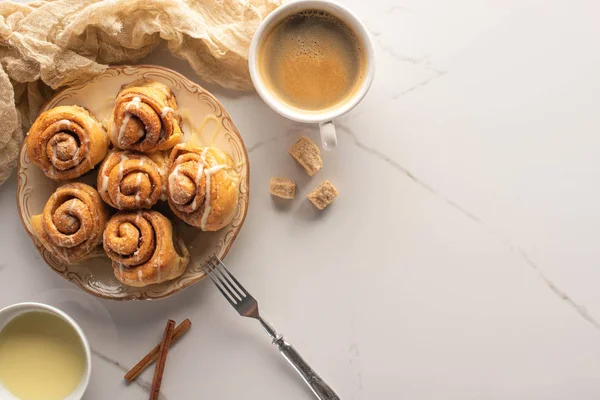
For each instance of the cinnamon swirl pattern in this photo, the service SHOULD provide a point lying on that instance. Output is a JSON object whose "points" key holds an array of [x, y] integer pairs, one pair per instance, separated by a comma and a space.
{"points": [[144, 248], [130, 181], [71, 225], [66, 142], [145, 117], [202, 186]]}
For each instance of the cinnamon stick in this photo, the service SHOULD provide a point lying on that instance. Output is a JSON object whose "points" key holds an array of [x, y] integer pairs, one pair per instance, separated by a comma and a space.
{"points": [[162, 359], [153, 354]]}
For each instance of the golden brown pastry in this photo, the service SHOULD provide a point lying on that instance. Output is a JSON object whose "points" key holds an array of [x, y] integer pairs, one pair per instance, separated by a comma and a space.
{"points": [[130, 181], [145, 117], [202, 186], [71, 225], [144, 248], [66, 142]]}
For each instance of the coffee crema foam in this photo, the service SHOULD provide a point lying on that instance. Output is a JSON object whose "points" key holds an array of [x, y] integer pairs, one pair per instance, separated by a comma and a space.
{"points": [[312, 61]]}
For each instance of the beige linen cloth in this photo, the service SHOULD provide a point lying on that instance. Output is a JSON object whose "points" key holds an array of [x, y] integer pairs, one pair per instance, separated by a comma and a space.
{"points": [[45, 45]]}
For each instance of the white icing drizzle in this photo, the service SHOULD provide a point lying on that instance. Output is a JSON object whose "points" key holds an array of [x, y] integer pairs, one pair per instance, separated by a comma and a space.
{"points": [[123, 126], [172, 176], [138, 180], [136, 255], [64, 122], [104, 186], [207, 206], [137, 184], [165, 90], [119, 177], [121, 270], [165, 111], [72, 205], [135, 103], [140, 276], [203, 155], [198, 178]]}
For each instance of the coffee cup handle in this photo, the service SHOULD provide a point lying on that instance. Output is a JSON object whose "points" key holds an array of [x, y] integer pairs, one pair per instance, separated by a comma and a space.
{"points": [[328, 136]]}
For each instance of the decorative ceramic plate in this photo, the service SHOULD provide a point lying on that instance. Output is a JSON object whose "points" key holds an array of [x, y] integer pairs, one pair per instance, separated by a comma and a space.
{"points": [[203, 116]]}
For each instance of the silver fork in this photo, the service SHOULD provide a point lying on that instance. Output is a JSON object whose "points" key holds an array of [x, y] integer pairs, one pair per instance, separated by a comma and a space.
{"points": [[247, 306]]}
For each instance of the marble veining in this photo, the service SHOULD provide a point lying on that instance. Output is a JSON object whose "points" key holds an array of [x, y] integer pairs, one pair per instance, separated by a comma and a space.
{"points": [[354, 361], [580, 309], [459, 261], [437, 74], [269, 140], [140, 382]]}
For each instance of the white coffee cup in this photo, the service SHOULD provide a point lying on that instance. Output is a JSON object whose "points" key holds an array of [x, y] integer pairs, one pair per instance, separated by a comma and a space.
{"points": [[325, 118], [10, 312]]}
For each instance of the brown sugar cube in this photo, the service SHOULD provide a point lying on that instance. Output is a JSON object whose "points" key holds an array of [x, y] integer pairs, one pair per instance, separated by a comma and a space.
{"points": [[307, 154], [323, 195], [284, 188]]}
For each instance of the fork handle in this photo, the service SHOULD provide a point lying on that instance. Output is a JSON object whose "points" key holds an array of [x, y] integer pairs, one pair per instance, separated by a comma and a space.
{"points": [[317, 385], [314, 381]]}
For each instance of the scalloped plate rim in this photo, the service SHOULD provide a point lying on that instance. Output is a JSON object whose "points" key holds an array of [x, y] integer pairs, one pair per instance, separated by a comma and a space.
{"points": [[131, 297]]}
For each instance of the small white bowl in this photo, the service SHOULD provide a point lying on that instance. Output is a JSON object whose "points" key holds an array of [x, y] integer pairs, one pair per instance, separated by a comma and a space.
{"points": [[10, 312]]}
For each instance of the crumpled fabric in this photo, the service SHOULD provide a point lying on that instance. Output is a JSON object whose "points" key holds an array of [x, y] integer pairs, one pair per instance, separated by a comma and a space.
{"points": [[46, 45]]}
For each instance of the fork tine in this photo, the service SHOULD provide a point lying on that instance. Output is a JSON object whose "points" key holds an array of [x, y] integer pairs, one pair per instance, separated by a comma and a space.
{"points": [[233, 303], [210, 272], [223, 269], [227, 283]]}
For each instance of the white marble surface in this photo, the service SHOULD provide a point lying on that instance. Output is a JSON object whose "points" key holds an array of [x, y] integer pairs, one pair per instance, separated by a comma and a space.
{"points": [[460, 260]]}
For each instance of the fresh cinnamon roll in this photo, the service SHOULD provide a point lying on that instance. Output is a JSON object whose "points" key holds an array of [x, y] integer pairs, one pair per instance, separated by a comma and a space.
{"points": [[202, 186], [66, 142], [71, 225], [145, 117], [144, 248], [129, 180]]}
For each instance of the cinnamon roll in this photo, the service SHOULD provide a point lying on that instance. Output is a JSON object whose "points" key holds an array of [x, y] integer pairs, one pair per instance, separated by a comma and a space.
{"points": [[66, 142], [129, 180], [144, 248], [145, 117], [71, 225], [202, 186]]}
